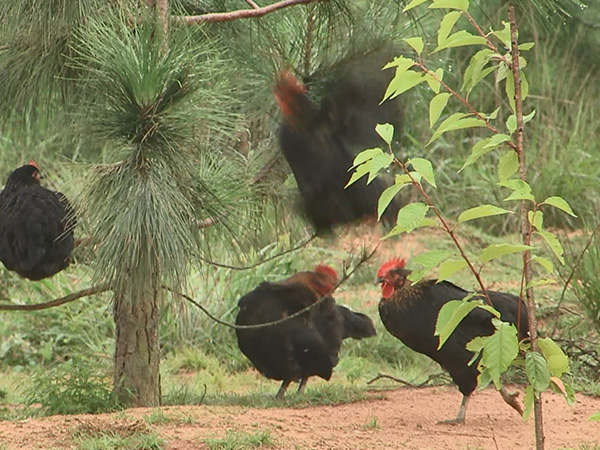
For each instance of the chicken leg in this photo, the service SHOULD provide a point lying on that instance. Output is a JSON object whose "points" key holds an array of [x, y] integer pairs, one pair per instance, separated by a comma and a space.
{"points": [[282, 389], [462, 411]]}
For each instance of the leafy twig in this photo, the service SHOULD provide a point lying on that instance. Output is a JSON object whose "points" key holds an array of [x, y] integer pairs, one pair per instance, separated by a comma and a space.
{"points": [[59, 301]]}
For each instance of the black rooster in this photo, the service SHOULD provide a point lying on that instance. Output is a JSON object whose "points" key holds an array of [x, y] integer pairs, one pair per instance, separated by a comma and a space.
{"points": [[306, 345], [320, 144], [409, 312], [36, 226]]}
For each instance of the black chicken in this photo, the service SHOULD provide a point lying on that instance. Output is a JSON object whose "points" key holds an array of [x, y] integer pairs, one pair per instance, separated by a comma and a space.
{"points": [[36, 226], [409, 312], [306, 345], [320, 144]]}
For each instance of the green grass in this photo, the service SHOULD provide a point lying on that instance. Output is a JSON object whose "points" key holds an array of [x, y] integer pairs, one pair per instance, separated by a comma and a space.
{"points": [[110, 441], [241, 440]]}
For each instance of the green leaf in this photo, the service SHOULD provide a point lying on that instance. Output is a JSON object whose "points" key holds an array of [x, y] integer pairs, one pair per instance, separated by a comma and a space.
{"points": [[511, 123], [474, 72], [450, 267], [413, 4], [403, 83], [387, 196], [479, 149], [544, 262], [365, 155], [504, 34], [446, 26], [537, 371], [401, 63], [385, 131], [456, 121], [521, 190], [528, 117], [524, 86], [594, 417], [553, 243], [483, 379], [526, 46], [450, 316], [409, 218], [429, 260], [436, 107], [559, 203], [558, 363], [497, 139], [359, 172], [528, 401], [481, 211], [496, 250], [500, 350], [510, 90], [424, 168], [460, 39], [434, 82], [508, 165], [416, 43], [463, 5], [538, 283], [379, 162], [536, 219]]}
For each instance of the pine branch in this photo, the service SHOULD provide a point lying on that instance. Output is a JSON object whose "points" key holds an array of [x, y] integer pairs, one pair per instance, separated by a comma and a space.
{"points": [[242, 13], [59, 301]]}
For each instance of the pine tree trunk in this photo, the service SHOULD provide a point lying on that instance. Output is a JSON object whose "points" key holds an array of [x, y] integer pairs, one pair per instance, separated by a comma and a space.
{"points": [[137, 351]]}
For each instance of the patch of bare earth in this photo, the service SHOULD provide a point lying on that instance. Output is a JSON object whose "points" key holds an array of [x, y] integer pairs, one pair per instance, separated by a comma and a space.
{"points": [[404, 419]]}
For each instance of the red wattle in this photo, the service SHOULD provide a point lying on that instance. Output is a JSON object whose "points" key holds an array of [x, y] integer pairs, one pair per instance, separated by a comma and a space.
{"points": [[387, 290]]}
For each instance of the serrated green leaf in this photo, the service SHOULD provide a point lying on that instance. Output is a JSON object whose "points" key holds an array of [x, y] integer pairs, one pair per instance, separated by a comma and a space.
{"points": [[509, 88], [424, 168], [436, 107], [450, 316], [508, 165], [446, 26], [558, 363], [377, 163], [463, 5], [474, 72], [496, 139], [450, 267], [503, 71], [526, 46], [429, 260], [358, 173], [481, 211], [528, 402], [385, 131], [496, 250], [504, 34], [492, 116], [365, 155], [483, 379], [461, 38], [594, 417], [536, 219], [428, 222], [401, 84], [524, 86], [537, 371], [401, 63], [475, 345], [511, 123], [559, 203], [542, 282], [405, 178], [500, 349], [521, 190], [416, 43], [413, 4], [434, 82], [479, 149], [553, 243], [528, 117], [456, 121], [387, 196], [409, 218], [544, 262]]}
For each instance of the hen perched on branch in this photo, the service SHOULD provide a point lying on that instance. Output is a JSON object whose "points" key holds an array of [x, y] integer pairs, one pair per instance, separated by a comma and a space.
{"points": [[303, 346], [319, 144], [36, 226], [409, 312]]}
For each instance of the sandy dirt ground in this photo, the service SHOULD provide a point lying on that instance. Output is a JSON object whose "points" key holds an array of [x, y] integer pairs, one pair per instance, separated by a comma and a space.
{"points": [[405, 418]]}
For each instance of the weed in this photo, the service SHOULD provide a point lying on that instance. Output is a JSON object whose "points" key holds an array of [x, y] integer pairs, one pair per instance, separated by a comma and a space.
{"points": [[240, 440], [157, 416], [372, 424], [109, 441]]}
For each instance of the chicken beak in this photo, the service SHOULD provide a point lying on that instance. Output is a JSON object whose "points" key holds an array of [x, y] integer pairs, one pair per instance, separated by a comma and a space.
{"points": [[379, 280]]}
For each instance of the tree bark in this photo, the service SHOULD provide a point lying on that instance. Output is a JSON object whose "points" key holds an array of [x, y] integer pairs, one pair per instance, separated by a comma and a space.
{"points": [[137, 351]]}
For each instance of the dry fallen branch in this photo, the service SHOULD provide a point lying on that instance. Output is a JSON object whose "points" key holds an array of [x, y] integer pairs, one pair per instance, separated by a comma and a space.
{"points": [[59, 301], [407, 383], [256, 11]]}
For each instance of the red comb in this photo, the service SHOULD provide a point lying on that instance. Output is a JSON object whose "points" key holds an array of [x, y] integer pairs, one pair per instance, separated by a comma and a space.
{"points": [[286, 82], [326, 270], [33, 163], [394, 263]]}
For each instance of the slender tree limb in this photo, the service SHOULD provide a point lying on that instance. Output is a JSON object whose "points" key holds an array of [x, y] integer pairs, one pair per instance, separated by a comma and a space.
{"points": [[526, 227], [205, 223], [252, 4], [407, 383], [365, 256], [59, 301], [262, 173], [242, 13], [252, 266]]}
